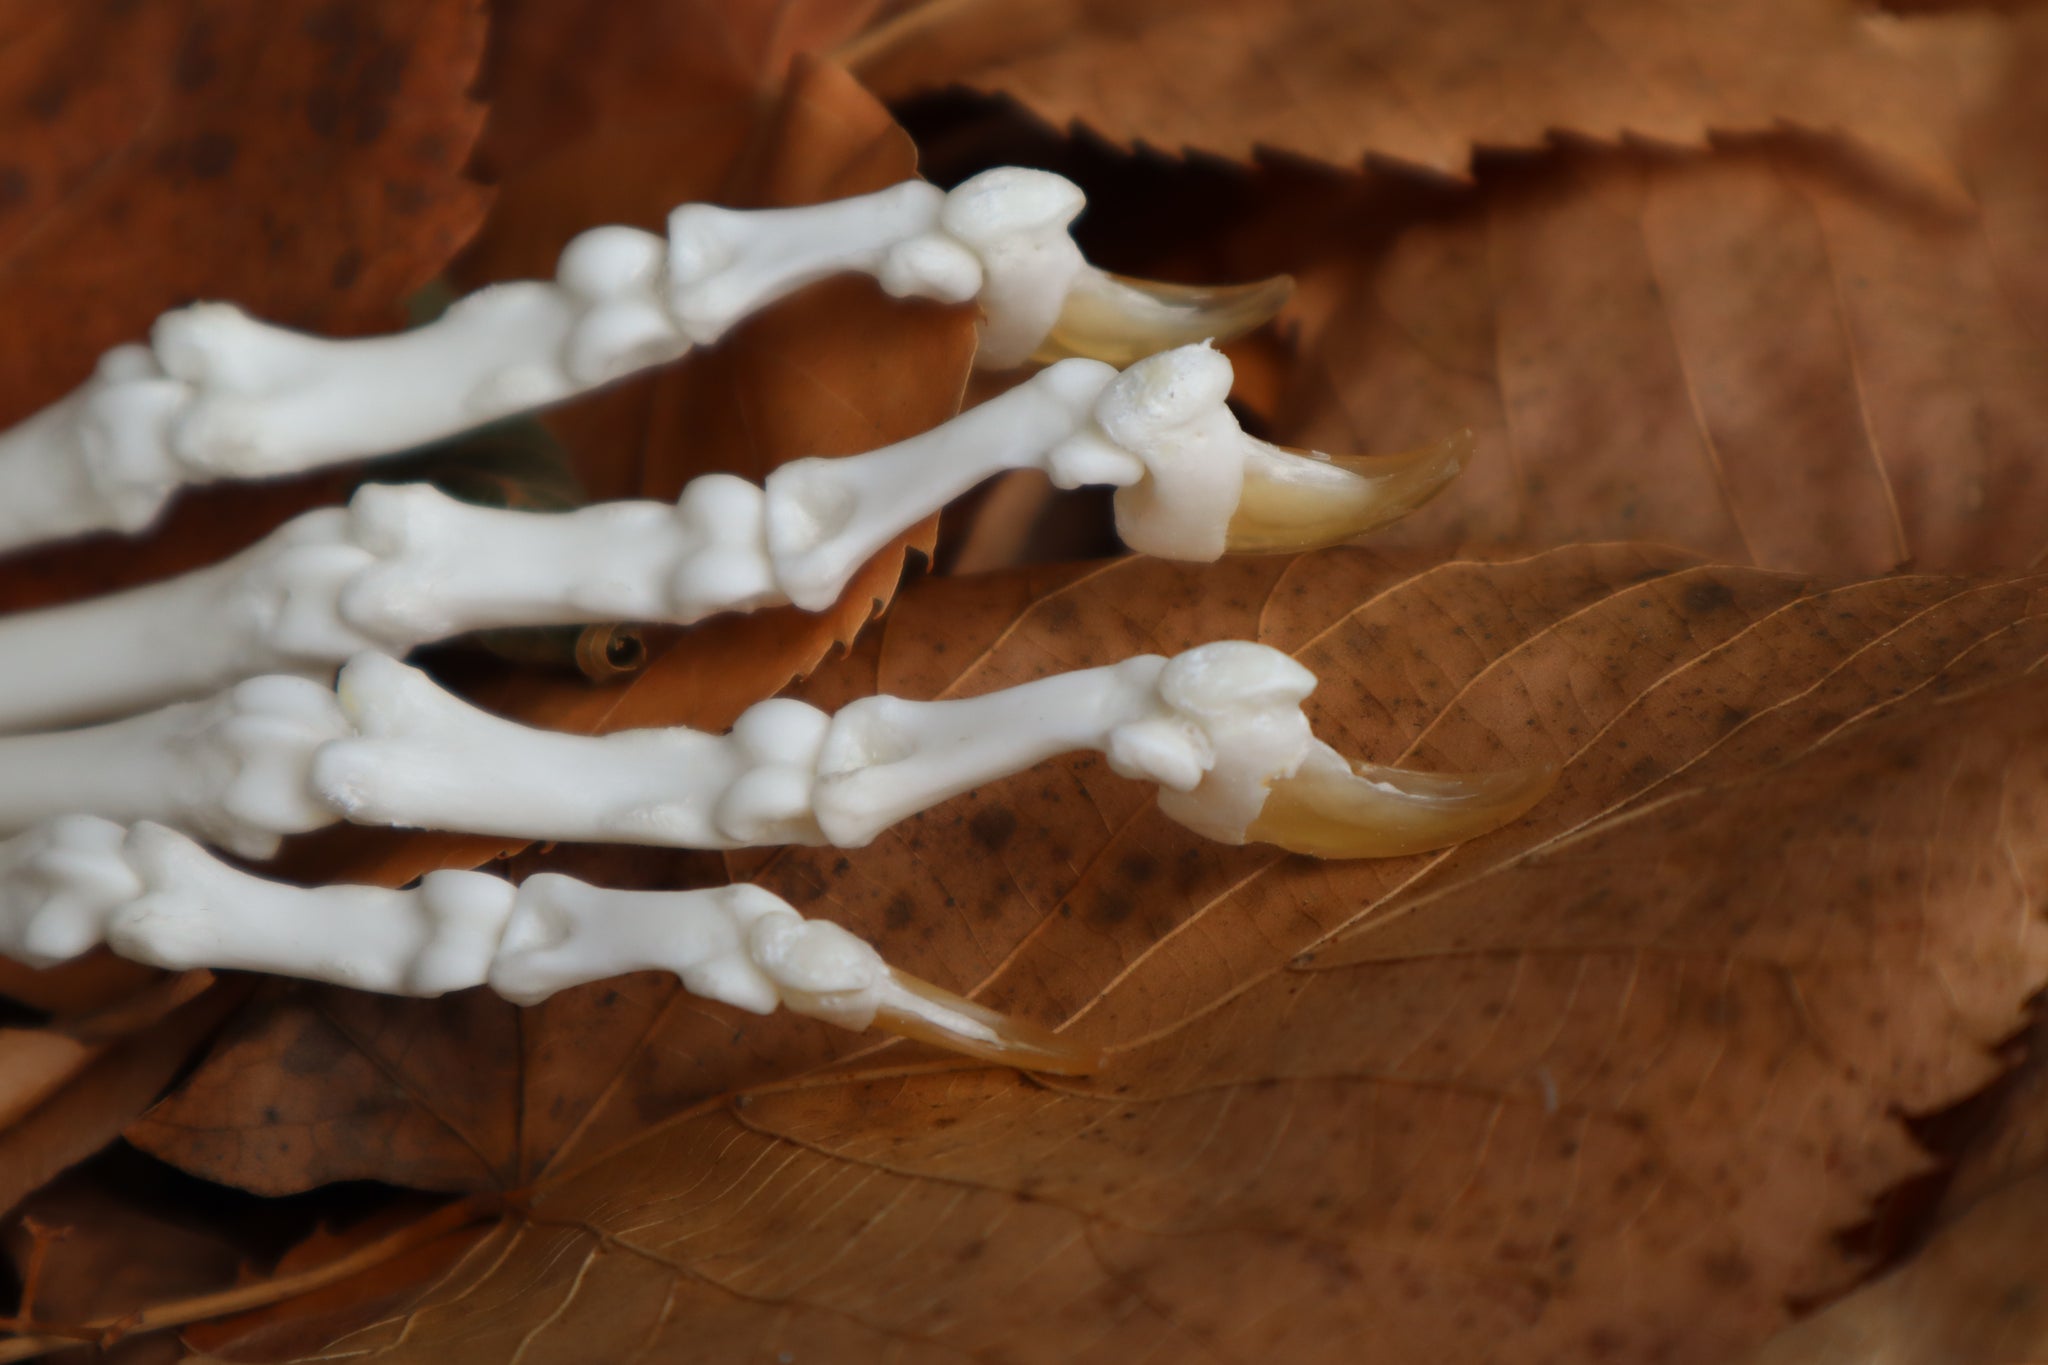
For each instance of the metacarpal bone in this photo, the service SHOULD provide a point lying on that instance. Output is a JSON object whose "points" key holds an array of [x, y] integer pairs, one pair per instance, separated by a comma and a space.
{"points": [[421, 757], [233, 769], [196, 911], [270, 609]]}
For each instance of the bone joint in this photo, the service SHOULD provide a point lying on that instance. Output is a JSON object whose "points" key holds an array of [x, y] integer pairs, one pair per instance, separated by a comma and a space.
{"points": [[155, 896], [403, 565]]}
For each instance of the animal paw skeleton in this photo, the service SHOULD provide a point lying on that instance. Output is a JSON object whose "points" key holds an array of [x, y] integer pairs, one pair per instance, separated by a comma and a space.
{"points": [[1218, 729], [155, 896], [217, 394], [107, 815], [403, 565]]}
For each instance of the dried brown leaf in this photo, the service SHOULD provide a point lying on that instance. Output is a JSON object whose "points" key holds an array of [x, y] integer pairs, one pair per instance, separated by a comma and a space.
{"points": [[35, 1062], [90, 1110], [303, 159], [1425, 85], [79, 986], [104, 1256], [1761, 355], [1657, 1033]]}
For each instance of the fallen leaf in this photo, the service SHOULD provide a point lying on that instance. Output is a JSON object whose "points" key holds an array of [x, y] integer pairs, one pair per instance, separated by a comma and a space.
{"points": [[1656, 1034], [98, 1101], [1973, 1291], [34, 1062], [1759, 355], [1426, 85], [303, 1322], [2007, 173], [105, 1256], [76, 987], [618, 110], [37, 1062], [303, 159]]}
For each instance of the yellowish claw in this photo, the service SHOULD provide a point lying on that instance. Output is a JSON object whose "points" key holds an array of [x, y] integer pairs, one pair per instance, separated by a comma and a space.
{"points": [[1119, 320], [916, 1009], [1378, 812], [1301, 500]]}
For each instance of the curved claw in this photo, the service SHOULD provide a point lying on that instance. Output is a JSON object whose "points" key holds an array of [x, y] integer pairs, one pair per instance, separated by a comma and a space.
{"points": [[916, 1009], [1303, 500], [1371, 811], [1120, 320]]}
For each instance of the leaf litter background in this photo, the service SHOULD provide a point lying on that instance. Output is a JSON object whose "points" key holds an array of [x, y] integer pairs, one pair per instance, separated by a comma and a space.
{"points": [[1747, 305]]}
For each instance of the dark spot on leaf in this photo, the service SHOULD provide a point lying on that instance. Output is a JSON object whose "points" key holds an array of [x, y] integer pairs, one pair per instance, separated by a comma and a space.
{"points": [[212, 155], [1111, 908], [347, 268], [313, 1052], [323, 112], [899, 912], [1702, 598], [993, 828], [13, 187], [197, 62], [1727, 1269]]}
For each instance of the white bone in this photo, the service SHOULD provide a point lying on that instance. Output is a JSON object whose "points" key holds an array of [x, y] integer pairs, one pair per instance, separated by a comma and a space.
{"points": [[738, 944], [233, 769], [270, 609], [403, 565], [218, 394], [59, 883], [1213, 727], [196, 911], [825, 518], [155, 896], [421, 757]]}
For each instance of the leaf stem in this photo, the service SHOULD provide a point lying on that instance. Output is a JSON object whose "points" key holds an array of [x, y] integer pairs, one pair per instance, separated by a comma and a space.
{"points": [[220, 1303]]}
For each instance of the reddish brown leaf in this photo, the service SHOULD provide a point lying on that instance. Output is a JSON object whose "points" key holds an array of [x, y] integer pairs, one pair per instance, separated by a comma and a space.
{"points": [[1342, 81], [80, 986], [1656, 1034], [303, 159], [617, 112]]}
